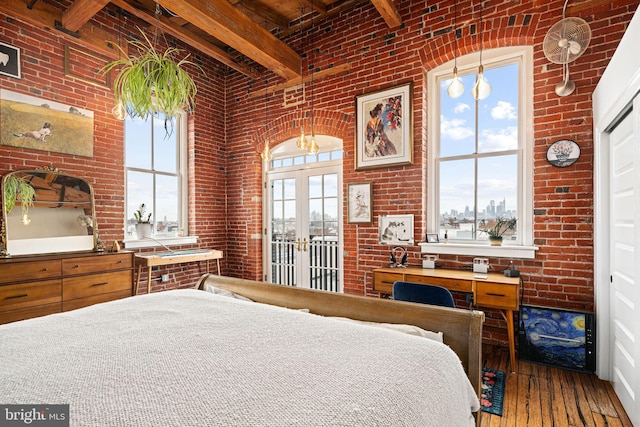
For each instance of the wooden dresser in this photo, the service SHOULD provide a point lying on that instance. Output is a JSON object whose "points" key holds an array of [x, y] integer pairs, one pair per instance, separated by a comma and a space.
{"points": [[492, 290], [38, 285]]}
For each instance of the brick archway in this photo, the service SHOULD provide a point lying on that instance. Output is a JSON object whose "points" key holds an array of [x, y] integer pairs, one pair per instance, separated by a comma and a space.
{"points": [[332, 123]]}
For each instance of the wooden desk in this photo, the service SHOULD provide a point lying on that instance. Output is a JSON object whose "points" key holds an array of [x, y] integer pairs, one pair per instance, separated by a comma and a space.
{"points": [[496, 291], [152, 259]]}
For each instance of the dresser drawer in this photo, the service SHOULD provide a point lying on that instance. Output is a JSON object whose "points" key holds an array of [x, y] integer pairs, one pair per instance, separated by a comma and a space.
{"points": [[383, 282], [94, 299], [449, 283], [14, 297], [95, 284], [497, 295], [28, 313], [33, 270], [84, 265]]}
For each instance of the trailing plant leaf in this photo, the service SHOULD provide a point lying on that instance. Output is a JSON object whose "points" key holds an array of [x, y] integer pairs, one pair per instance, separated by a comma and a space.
{"points": [[17, 189], [152, 82]]}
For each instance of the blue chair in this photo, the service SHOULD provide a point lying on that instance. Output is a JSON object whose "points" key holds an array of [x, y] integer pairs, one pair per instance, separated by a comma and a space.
{"points": [[423, 293]]}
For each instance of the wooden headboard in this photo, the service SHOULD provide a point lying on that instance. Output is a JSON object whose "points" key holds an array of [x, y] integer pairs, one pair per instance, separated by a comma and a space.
{"points": [[462, 329]]}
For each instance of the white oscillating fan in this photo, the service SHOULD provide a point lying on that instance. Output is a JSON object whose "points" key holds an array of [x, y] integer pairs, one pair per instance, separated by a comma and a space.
{"points": [[565, 41]]}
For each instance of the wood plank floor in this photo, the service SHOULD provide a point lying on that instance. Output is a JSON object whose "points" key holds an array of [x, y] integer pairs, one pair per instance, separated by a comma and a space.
{"points": [[541, 396]]}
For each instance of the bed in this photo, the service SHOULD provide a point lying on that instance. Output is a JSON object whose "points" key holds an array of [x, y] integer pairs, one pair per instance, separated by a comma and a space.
{"points": [[195, 358]]}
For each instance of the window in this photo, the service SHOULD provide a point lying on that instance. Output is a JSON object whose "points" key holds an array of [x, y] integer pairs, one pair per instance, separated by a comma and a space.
{"points": [[156, 175], [480, 152]]}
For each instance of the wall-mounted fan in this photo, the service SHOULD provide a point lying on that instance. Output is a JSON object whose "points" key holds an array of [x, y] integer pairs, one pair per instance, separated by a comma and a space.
{"points": [[565, 41]]}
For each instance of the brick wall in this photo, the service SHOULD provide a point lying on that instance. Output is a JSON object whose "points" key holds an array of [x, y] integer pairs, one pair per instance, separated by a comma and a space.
{"points": [[43, 76], [228, 129], [562, 273]]}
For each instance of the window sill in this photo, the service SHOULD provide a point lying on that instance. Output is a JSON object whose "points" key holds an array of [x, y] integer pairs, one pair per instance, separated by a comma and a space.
{"points": [[160, 242], [504, 251]]}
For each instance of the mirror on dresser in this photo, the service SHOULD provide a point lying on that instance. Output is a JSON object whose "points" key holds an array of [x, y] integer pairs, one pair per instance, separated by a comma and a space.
{"points": [[61, 219]]}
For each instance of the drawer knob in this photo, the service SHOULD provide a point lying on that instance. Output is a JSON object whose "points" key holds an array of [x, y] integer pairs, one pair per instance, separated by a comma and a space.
{"points": [[76, 266], [119, 261], [45, 269], [16, 296]]}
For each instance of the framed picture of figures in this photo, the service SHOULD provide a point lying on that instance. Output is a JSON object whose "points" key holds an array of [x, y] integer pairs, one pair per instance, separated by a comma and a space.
{"points": [[384, 128], [395, 230], [360, 203]]}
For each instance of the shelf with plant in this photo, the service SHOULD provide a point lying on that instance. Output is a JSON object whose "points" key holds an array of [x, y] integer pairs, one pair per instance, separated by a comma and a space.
{"points": [[18, 191]]}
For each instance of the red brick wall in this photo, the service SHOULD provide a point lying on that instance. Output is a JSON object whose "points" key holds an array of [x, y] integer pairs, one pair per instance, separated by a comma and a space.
{"points": [[43, 76], [562, 272], [227, 131]]}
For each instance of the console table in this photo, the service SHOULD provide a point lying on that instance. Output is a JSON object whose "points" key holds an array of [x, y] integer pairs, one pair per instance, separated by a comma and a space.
{"points": [[152, 259], [492, 290]]}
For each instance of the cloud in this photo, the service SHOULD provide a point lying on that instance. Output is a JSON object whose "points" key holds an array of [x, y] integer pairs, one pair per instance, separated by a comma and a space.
{"points": [[504, 110], [455, 129], [461, 108], [499, 139]]}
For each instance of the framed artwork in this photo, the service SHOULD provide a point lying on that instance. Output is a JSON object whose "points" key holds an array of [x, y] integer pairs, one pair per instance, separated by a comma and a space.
{"points": [[563, 153], [9, 60], [395, 230], [384, 128], [433, 238], [359, 203], [41, 124]]}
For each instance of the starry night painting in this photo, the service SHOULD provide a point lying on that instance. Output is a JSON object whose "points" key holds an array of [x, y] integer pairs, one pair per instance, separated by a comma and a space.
{"points": [[556, 337]]}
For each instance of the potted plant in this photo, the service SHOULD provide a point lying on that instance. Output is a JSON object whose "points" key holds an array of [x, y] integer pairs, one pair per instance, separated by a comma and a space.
{"points": [[152, 82], [501, 226], [17, 189], [143, 222]]}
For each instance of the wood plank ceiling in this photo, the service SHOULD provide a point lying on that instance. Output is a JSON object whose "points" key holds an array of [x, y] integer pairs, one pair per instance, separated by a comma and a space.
{"points": [[226, 30]]}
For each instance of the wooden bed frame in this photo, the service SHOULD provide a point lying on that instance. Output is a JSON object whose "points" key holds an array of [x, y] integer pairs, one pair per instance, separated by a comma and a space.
{"points": [[462, 329]]}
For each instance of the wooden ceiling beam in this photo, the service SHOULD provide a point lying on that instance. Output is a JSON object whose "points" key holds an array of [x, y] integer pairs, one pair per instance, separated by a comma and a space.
{"points": [[389, 12], [168, 26], [223, 21], [43, 15], [269, 15], [80, 12]]}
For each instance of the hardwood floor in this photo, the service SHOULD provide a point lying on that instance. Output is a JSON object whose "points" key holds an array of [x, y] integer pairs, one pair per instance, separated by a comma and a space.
{"points": [[539, 395]]}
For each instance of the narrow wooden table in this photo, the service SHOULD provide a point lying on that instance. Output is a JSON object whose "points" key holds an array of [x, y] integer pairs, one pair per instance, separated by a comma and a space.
{"points": [[152, 259], [492, 290]]}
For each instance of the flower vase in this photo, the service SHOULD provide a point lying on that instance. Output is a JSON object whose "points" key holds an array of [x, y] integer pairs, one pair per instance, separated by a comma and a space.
{"points": [[143, 230]]}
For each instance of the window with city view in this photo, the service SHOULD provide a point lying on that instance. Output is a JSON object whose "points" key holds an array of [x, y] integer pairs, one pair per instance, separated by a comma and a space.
{"points": [[154, 171], [478, 168]]}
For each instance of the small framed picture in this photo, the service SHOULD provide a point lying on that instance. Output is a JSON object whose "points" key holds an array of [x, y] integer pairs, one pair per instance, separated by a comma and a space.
{"points": [[9, 60], [432, 238], [395, 230], [360, 201]]}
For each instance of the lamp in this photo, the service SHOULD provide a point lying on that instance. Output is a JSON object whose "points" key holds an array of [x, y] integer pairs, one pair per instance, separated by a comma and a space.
{"points": [[118, 110], [312, 147], [456, 88], [481, 89], [266, 152], [301, 142]]}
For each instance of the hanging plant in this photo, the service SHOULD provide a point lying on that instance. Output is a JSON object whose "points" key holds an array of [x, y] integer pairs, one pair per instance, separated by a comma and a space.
{"points": [[17, 189], [153, 82]]}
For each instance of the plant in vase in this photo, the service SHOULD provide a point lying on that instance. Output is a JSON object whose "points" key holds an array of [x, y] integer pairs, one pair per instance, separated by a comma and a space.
{"points": [[499, 227], [143, 221]]}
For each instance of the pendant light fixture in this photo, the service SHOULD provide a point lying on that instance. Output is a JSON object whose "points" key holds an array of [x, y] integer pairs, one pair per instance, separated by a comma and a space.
{"points": [[312, 148], [456, 88], [118, 110], [266, 151], [482, 88], [301, 142]]}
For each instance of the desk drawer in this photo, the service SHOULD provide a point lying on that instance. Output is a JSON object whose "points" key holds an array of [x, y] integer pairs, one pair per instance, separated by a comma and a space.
{"points": [[383, 282], [449, 283], [497, 295], [95, 264], [24, 295], [33, 270], [96, 284]]}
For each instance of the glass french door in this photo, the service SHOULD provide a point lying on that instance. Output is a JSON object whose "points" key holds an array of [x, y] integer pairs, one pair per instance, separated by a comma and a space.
{"points": [[305, 247]]}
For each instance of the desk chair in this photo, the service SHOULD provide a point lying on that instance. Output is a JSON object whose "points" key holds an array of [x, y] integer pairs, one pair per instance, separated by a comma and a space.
{"points": [[422, 293]]}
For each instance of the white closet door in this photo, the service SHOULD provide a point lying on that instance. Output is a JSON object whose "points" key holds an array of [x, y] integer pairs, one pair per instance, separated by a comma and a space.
{"points": [[624, 250]]}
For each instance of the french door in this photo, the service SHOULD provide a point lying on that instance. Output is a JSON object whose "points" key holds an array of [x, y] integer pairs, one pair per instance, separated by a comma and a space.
{"points": [[304, 217]]}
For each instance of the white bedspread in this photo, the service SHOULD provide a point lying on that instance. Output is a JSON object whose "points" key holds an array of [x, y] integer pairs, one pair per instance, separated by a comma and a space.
{"points": [[192, 358]]}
